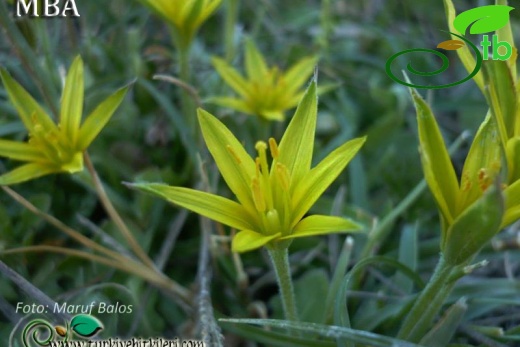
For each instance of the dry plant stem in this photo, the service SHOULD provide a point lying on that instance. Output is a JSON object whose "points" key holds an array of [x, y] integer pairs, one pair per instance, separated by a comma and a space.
{"points": [[280, 261], [183, 84], [85, 241], [109, 208], [130, 266], [126, 265]]}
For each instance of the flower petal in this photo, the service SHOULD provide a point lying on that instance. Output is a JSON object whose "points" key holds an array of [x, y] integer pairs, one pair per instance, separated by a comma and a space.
{"points": [[208, 205], [72, 101], [234, 103], [19, 151], [231, 76], [297, 142], [485, 153], [321, 225], [319, 178], [248, 240], [233, 162], [256, 68], [299, 73], [512, 203], [273, 115], [437, 167], [29, 110], [25, 173], [99, 118]]}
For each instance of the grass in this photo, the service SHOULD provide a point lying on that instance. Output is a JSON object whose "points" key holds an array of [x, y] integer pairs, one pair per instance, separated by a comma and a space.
{"points": [[376, 277]]}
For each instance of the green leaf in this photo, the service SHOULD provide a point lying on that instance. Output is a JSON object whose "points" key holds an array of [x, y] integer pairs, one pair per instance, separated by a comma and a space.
{"points": [[327, 332], [408, 250], [483, 19], [441, 334], [474, 227], [85, 325]]}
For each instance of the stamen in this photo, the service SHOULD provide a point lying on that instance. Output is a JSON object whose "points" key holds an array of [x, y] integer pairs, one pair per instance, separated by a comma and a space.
{"points": [[283, 176], [273, 147], [261, 148], [233, 154], [258, 197]]}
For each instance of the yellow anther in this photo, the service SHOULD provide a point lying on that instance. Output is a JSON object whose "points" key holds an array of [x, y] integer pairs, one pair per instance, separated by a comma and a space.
{"points": [[283, 176], [273, 147], [258, 196], [233, 154], [261, 147]]}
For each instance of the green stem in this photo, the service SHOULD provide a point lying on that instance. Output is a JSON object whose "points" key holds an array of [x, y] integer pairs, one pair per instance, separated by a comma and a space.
{"points": [[229, 29], [183, 57], [280, 261], [428, 304]]}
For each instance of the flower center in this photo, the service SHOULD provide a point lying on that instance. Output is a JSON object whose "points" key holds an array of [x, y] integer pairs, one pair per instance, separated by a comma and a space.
{"points": [[55, 149], [270, 190]]}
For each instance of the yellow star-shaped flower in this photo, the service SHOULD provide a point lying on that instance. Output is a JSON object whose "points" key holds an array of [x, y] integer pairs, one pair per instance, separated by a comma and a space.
{"points": [[272, 201], [185, 15], [54, 148], [264, 92]]}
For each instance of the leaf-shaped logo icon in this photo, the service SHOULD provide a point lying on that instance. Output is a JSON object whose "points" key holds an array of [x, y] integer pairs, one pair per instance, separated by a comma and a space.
{"points": [[451, 45], [85, 325], [483, 19]]}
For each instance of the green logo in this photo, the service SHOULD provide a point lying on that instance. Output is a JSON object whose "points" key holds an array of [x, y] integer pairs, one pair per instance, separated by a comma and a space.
{"points": [[479, 20], [82, 325]]}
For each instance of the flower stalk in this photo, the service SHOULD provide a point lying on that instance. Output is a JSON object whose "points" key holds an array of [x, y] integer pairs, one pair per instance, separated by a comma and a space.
{"points": [[229, 28], [280, 261], [428, 303]]}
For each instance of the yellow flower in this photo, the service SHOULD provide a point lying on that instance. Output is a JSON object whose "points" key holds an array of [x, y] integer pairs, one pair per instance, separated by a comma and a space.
{"points": [[272, 201], [265, 92], [185, 15], [54, 148], [476, 209]]}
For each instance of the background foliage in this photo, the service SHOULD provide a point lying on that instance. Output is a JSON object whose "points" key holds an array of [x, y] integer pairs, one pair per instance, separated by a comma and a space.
{"points": [[121, 41]]}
